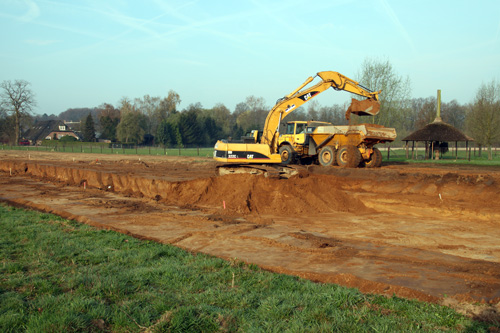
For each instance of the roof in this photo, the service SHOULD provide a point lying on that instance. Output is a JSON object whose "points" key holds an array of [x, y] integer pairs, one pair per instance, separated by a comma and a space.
{"points": [[42, 129], [438, 131]]}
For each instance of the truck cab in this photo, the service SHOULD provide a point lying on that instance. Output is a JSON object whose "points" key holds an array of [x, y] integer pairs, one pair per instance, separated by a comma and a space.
{"points": [[294, 141]]}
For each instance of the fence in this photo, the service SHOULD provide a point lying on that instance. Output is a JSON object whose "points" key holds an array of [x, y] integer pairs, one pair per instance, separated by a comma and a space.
{"points": [[389, 153], [116, 149]]}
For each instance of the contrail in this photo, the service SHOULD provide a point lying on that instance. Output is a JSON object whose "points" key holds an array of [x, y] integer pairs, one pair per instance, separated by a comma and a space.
{"points": [[392, 15]]}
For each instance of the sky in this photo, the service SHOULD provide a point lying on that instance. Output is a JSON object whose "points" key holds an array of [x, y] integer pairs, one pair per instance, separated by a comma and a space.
{"points": [[83, 53]]}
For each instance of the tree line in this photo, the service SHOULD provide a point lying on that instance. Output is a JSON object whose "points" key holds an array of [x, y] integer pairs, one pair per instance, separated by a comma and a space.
{"points": [[158, 121]]}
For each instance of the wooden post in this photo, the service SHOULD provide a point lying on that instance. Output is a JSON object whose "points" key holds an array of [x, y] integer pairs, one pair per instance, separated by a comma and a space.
{"points": [[389, 152], [467, 149], [407, 150]]}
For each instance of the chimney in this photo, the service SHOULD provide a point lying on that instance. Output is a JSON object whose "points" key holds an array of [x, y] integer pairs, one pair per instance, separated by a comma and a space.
{"points": [[438, 116]]}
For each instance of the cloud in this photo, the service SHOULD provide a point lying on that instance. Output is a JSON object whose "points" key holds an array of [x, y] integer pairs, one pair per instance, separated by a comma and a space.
{"points": [[395, 20], [32, 13]]}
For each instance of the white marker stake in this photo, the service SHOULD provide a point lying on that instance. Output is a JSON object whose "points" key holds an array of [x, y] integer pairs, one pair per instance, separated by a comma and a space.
{"points": [[224, 203]]}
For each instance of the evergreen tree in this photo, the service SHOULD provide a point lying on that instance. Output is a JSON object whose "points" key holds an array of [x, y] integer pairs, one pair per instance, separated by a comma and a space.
{"points": [[166, 134], [189, 128], [89, 129]]}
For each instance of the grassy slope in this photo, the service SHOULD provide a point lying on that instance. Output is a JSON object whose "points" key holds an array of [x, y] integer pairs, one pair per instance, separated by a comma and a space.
{"points": [[59, 275]]}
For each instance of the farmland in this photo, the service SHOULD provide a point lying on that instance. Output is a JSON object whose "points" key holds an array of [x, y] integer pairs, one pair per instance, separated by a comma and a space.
{"points": [[427, 232]]}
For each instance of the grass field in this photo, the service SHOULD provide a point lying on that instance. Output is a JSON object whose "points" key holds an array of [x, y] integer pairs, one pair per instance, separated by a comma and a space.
{"points": [[59, 275], [106, 148], [395, 154]]}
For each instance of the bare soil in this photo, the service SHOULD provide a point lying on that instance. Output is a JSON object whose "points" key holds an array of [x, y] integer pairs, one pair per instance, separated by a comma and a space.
{"points": [[425, 232]]}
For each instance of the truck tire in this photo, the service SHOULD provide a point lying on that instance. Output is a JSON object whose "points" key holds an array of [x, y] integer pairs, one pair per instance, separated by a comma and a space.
{"points": [[326, 156], [286, 153], [349, 157], [375, 160]]}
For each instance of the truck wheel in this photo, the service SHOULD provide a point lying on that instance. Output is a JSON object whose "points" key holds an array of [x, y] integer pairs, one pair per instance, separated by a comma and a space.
{"points": [[375, 160], [286, 153], [349, 157], [326, 156]]}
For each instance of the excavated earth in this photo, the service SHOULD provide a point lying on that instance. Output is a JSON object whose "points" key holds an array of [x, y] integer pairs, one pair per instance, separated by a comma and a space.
{"points": [[427, 232]]}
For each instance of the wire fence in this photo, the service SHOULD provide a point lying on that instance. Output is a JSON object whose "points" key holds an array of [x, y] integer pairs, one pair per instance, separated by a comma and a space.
{"points": [[389, 153], [117, 149]]}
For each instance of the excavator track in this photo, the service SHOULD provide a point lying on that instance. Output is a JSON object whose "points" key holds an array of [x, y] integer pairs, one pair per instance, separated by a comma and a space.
{"points": [[267, 170]]}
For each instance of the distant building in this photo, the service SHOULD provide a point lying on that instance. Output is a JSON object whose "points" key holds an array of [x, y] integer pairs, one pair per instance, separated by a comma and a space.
{"points": [[49, 130]]}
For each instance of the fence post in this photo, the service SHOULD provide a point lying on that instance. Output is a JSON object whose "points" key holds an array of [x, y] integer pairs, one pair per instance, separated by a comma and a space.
{"points": [[388, 152]]}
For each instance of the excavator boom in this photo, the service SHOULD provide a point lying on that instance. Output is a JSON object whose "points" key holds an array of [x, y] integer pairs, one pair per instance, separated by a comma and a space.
{"points": [[292, 101], [266, 152]]}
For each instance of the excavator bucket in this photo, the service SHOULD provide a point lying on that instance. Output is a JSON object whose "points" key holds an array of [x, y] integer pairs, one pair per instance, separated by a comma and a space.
{"points": [[367, 107]]}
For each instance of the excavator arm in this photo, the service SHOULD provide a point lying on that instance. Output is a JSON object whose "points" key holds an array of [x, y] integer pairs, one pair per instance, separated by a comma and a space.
{"points": [[292, 101]]}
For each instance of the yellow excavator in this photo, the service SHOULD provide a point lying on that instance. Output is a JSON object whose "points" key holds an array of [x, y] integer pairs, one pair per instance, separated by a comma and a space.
{"points": [[262, 147]]}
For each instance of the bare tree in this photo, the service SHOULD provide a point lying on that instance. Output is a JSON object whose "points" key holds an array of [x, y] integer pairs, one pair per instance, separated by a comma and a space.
{"points": [[454, 114], [168, 105], [483, 118], [396, 90], [17, 99]]}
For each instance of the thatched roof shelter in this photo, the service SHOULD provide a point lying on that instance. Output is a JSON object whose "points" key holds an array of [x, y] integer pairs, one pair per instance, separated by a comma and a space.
{"points": [[438, 131], [436, 136]]}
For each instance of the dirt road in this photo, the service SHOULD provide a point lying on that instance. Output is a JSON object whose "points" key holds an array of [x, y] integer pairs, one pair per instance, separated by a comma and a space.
{"points": [[427, 232]]}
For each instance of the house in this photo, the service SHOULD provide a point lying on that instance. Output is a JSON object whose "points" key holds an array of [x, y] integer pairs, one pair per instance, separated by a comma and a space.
{"points": [[48, 130]]}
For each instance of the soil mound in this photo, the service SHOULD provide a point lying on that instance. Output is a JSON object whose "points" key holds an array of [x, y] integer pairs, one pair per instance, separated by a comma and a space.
{"points": [[260, 195]]}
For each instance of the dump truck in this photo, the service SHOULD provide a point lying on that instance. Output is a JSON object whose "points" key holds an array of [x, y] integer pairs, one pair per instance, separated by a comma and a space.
{"points": [[351, 146]]}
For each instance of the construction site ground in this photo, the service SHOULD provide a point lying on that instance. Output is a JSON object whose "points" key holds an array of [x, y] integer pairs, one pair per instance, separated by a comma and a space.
{"points": [[428, 232]]}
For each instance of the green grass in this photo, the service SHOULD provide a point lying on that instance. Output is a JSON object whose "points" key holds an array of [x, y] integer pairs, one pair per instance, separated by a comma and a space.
{"points": [[399, 155], [59, 275]]}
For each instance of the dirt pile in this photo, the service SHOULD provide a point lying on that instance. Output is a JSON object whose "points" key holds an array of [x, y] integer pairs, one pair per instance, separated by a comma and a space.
{"points": [[255, 194]]}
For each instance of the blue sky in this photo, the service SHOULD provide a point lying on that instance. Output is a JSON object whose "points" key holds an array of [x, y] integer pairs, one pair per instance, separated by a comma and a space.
{"points": [[85, 53]]}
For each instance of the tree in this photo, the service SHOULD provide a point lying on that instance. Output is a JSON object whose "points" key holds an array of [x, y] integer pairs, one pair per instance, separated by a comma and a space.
{"points": [[483, 118], [454, 114], [132, 126], [167, 133], [190, 130], [7, 124], [18, 99], [251, 114], [168, 105], [149, 106], [89, 129], [222, 117], [109, 117], [427, 112], [395, 96]]}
